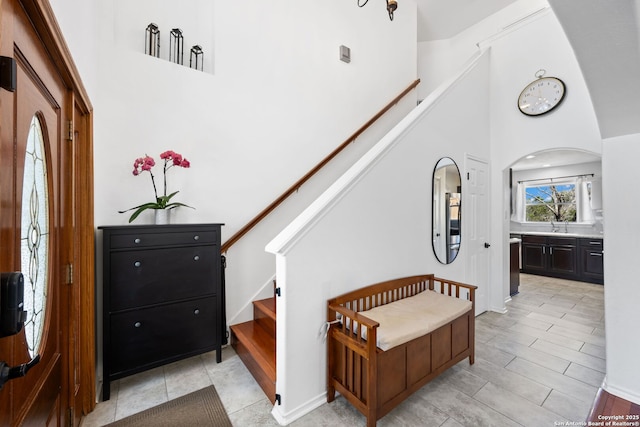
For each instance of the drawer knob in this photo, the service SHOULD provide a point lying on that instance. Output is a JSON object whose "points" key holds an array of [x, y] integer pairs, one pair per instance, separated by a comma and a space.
{"points": [[196, 258], [137, 240], [137, 264], [137, 324], [196, 237], [196, 311]]}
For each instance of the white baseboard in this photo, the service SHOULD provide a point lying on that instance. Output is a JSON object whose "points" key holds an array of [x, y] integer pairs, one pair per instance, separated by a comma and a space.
{"points": [[501, 310], [631, 396], [287, 418]]}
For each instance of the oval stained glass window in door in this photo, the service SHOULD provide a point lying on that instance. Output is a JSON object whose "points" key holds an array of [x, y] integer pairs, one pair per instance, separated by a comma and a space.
{"points": [[34, 239]]}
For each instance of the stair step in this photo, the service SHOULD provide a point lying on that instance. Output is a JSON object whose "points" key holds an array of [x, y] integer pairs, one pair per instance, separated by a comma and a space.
{"points": [[264, 312], [257, 350]]}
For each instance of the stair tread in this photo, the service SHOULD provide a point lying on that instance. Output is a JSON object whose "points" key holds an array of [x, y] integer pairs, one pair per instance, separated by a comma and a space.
{"points": [[267, 306], [259, 343]]}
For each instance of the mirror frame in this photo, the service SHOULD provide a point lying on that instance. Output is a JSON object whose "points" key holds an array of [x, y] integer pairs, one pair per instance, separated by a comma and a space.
{"points": [[446, 248]]}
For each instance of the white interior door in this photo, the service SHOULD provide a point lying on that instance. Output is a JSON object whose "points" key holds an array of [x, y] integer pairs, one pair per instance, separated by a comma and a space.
{"points": [[475, 210]]}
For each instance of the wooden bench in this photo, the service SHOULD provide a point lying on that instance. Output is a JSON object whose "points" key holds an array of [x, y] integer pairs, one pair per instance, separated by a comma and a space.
{"points": [[374, 380]]}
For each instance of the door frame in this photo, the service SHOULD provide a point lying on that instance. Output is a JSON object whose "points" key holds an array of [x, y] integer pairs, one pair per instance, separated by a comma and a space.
{"points": [[78, 326]]}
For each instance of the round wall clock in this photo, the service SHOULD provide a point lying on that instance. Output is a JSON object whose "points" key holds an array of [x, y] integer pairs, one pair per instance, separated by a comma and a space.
{"points": [[541, 95]]}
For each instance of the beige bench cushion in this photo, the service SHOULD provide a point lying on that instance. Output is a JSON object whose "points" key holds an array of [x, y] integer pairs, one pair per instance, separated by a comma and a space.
{"points": [[409, 318]]}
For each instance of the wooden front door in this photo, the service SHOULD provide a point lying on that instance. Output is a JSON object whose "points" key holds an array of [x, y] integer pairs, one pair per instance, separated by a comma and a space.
{"points": [[41, 234]]}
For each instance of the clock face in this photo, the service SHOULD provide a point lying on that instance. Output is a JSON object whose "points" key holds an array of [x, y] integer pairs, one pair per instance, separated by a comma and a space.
{"points": [[541, 96]]}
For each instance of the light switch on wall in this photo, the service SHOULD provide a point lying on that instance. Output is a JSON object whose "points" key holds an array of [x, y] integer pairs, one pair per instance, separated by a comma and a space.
{"points": [[345, 54]]}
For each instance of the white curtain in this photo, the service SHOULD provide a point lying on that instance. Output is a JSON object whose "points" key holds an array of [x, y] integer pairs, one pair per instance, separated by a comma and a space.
{"points": [[518, 214], [583, 202]]}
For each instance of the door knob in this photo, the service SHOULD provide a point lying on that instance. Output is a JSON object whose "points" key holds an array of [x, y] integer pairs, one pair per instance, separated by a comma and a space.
{"points": [[486, 245], [7, 373]]}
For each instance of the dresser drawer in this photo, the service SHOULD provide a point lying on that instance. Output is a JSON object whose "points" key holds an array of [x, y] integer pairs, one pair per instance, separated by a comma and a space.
{"points": [[145, 277], [152, 335], [143, 239]]}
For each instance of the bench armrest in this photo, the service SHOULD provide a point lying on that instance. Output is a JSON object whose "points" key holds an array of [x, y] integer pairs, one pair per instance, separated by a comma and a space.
{"points": [[350, 314]]}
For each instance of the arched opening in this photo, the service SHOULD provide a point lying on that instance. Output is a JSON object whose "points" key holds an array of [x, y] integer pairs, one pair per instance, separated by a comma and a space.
{"points": [[555, 239], [556, 191]]}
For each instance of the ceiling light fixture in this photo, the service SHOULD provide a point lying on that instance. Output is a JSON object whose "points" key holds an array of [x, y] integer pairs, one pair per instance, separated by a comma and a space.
{"points": [[392, 5]]}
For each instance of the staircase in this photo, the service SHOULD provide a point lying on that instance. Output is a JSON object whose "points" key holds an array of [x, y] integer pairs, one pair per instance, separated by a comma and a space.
{"points": [[255, 342]]}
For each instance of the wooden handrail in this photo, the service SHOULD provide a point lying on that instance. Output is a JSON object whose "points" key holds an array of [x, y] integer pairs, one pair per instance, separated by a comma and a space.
{"points": [[294, 188]]}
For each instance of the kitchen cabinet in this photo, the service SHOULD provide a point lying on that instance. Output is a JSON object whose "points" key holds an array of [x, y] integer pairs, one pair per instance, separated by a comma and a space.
{"points": [[563, 257], [163, 296], [591, 260], [550, 256], [514, 270], [534, 254]]}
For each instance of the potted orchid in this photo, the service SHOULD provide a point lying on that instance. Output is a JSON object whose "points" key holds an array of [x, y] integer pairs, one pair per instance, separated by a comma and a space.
{"points": [[163, 202]]}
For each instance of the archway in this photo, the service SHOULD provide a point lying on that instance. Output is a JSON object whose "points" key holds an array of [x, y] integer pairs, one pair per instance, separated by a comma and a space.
{"points": [[556, 215]]}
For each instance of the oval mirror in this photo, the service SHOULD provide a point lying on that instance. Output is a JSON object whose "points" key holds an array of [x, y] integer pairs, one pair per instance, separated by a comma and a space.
{"points": [[446, 210]]}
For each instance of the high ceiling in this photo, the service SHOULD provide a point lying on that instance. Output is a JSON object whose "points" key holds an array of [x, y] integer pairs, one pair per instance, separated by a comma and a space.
{"points": [[602, 33], [443, 19], [604, 37]]}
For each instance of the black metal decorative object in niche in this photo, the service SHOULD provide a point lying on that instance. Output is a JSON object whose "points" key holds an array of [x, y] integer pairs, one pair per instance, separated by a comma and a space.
{"points": [[176, 46], [196, 58], [152, 40]]}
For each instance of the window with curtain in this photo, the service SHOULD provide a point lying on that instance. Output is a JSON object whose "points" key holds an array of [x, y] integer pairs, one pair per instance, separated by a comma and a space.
{"points": [[550, 202], [547, 201]]}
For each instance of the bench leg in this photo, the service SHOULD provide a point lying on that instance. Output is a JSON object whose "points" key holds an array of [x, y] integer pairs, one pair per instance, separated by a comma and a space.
{"points": [[371, 420], [331, 394]]}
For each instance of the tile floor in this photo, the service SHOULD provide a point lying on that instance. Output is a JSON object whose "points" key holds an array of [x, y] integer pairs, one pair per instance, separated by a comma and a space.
{"points": [[539, 364]]}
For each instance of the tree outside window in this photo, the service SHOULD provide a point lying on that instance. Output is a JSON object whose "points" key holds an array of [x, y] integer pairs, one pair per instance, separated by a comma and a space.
{"points": [[551, 202]]}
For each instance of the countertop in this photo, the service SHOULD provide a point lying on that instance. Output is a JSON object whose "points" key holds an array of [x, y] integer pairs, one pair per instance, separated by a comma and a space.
{"points": [[558, 234]]}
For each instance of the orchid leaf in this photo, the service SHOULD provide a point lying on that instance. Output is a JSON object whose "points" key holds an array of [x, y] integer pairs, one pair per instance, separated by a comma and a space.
{"points": [[144, 164], [141, 209]]}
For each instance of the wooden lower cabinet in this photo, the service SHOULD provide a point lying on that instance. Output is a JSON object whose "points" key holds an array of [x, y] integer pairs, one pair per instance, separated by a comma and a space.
{"points": [[563, 257]]}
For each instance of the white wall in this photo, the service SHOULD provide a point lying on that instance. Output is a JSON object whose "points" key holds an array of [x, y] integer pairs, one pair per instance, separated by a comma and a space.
{"points": [[263, 56], [373, 224], [603, 35], [278, 100], [621, 247], [522, 38], [572, 125], [273, 100], [439, 59]]}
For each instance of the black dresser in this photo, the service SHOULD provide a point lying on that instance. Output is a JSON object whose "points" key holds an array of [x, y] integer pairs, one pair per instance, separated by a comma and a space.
{"points": [[163, 296]]}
